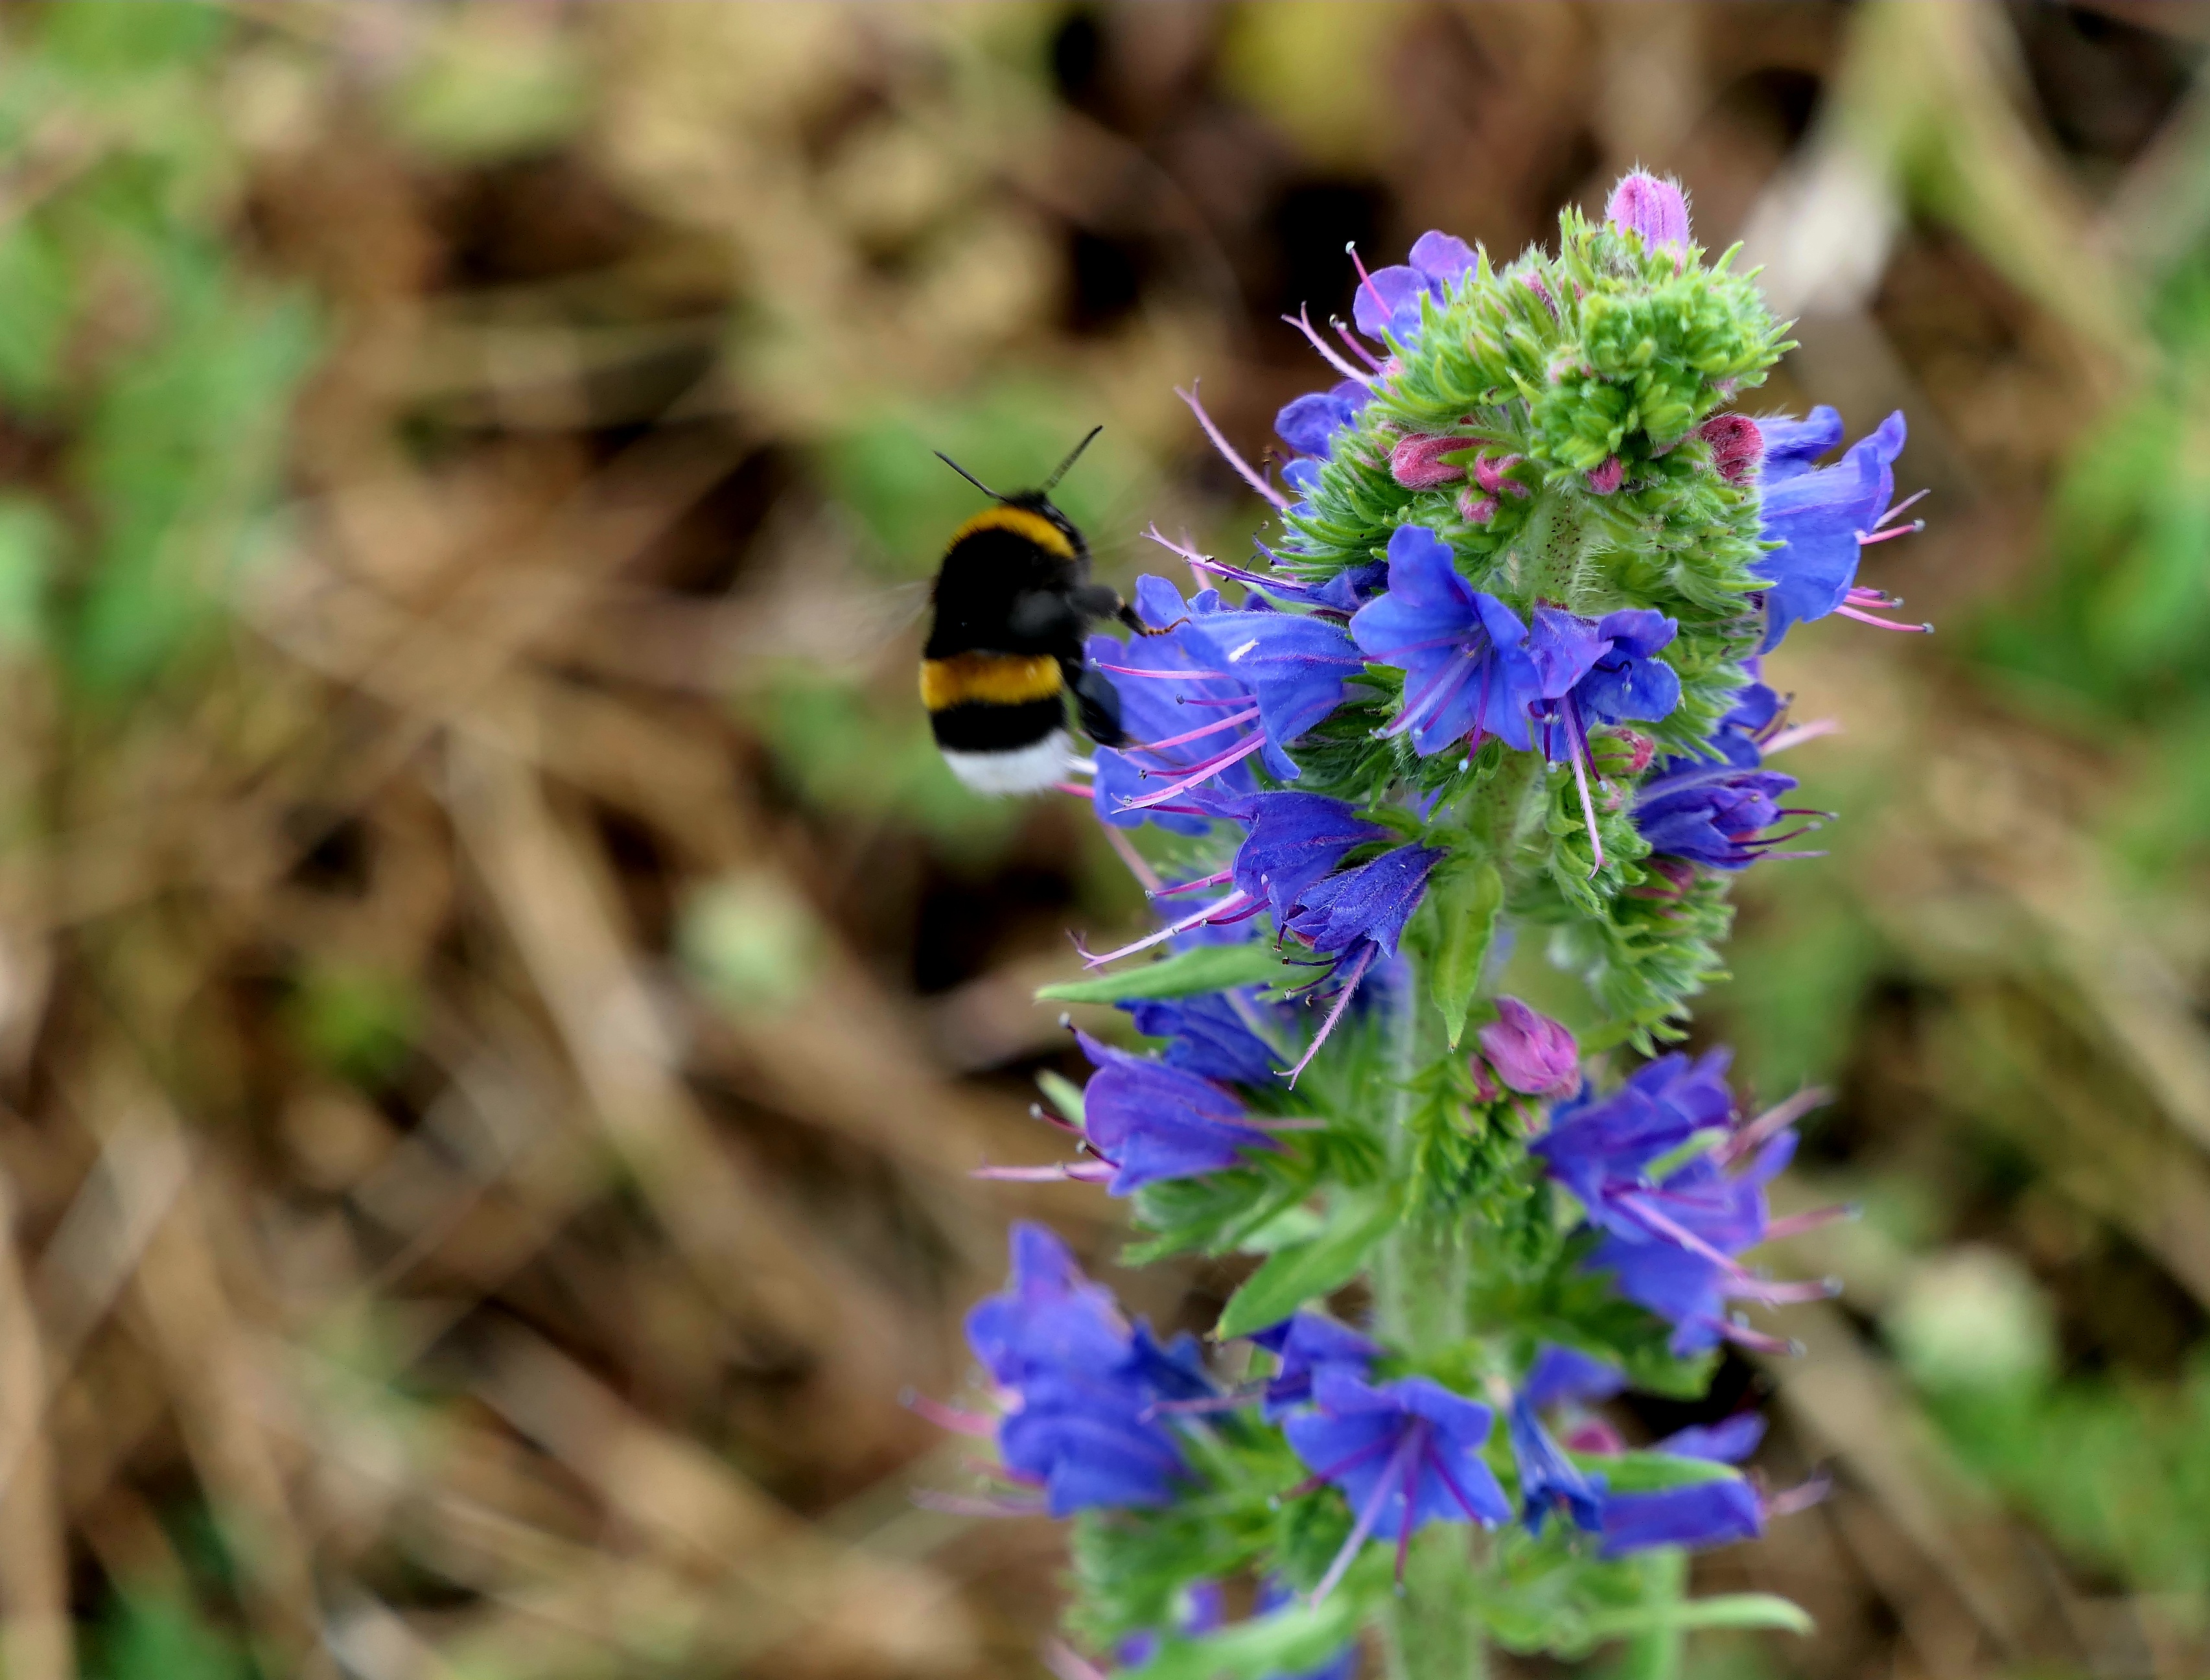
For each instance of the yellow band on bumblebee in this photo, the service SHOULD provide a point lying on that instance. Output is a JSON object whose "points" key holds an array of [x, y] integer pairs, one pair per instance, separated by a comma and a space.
{"points": [[1021, 523], [987, 680]]}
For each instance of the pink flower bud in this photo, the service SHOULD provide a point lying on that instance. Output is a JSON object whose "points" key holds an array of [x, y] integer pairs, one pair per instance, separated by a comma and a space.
{"points": [[1651, 208], [1736, 445], [1475, 509], [1489, 475], [1417, 462], [1640, 750], [1534, 283], [1532, 1053], [1607, 478]]}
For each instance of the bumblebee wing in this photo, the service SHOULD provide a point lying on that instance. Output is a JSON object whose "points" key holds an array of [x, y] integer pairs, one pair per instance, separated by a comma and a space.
{"points": [[838, 624]]}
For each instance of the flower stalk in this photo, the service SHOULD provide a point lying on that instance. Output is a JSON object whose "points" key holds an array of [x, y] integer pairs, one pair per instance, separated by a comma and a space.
{"points": [[1492, 702]]}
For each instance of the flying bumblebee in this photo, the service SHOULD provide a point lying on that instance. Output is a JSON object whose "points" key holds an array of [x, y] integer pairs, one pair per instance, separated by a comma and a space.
{"points": [[1012, 601]]}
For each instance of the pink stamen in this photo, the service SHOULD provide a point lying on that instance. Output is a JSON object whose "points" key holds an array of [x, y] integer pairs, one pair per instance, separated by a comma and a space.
{"points": [[1863, 597], [1866, 539], [1435, 1462], [1335, 1014], [1775, 1120], [1065, 1664], [1233, 901], [1193, 886], [1312, 1124], [1914, 498], [1783, 1295], [1077, 1172], [1165, 676], [1797, 735], [1779, 1230], [967, 1505], [1357, 346], [1139, 865], [1302, 322], [1643, 1206], [1226, 451], [956, 1419], [1367, 279], [1801, 1497], [1391, 1484], [1204, 772], [1211, 729], [1578, 748], [1848, 612], [1756, 1340]]}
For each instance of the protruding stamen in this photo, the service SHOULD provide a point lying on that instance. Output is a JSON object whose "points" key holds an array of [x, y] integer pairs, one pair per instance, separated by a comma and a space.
{"points": [[1779, 1230], [1169, 676], [1350, 249], [1226, 451], [1775, 1120], [1796, 733], [1197, 885], [1577, 748], [1233, 901], [969, 1505], [1756, 1340], [1204, 772], [1849, 612], [1078, 1172], [1902, 507], [1211, 729], [1392, 1483], [956, 1419], [1139, 865], [1335, 1014], [1357, 346], [1302, 322], [1801, 1497]]}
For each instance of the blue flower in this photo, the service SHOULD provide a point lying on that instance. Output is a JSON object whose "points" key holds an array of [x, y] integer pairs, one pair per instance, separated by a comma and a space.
{"points": [[1598, 1144], [1183, 716], [1707, 1514], [1308, 1343], [1598, 671], [1548, 1480], [1714, 810], [1293, 841], [1388, 300], [1295, 664], [1562, 1374], [1405, 1454], [1463, 652], [1309, 424], [1081, 1386], [1211, 1035], [1821, 517], [1154, 1121]]}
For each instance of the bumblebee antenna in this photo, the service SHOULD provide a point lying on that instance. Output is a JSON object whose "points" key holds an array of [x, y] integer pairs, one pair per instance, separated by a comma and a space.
{"points": [[1073, 455], [970, 477]]}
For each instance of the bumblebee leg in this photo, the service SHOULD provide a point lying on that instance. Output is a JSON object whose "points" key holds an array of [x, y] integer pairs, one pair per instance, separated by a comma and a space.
{"points": [[1098, 704]]}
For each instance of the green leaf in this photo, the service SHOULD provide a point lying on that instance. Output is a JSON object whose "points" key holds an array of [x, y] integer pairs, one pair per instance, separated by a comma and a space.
{"points": [[1650, 1473], [1729, 1610], [1299, 1273], [1209, 968], [1062, 1094], [1467, 895]]}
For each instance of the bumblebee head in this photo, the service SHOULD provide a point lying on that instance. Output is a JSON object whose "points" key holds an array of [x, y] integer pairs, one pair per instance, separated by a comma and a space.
{"points": [[1038, 500]]}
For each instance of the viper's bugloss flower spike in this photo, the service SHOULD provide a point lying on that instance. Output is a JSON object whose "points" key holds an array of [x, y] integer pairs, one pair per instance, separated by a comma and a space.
{"points": [[1463, 651], [1405, 1454], [1531, 1053], [1655, 209]]}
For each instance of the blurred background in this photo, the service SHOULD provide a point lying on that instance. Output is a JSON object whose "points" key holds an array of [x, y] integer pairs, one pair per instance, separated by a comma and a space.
{"points": [[499, 999]]}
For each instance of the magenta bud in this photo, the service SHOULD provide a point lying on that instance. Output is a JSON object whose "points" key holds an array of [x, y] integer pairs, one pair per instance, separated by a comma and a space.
{"points": [[1652, 208], [1489, 475], [1737, 446], [1532, 1053], [1593, 1435], [1534, 283], [1609, 477], [1417, 462], [1640, 750], [1475, 509]]}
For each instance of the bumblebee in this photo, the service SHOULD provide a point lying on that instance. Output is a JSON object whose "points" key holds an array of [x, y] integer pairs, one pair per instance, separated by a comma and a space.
{"points": [[1012, 601]]}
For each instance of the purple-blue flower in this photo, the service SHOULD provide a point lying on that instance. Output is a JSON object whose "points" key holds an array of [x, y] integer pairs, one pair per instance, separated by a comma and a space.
{"points": [[1706, 1513], [1293, 841], [1183, 716], [1388, 300], [1822, 517], [1153, 1122], [1308, 1343], [1210, 1036], [1405, 1454], [1365, 906], [1563, 1374], [1080, 1386], [1463, 652], [1294, 663], [1598, 1144], [1309, 424], [1714, 810], [1548, 1480]]}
